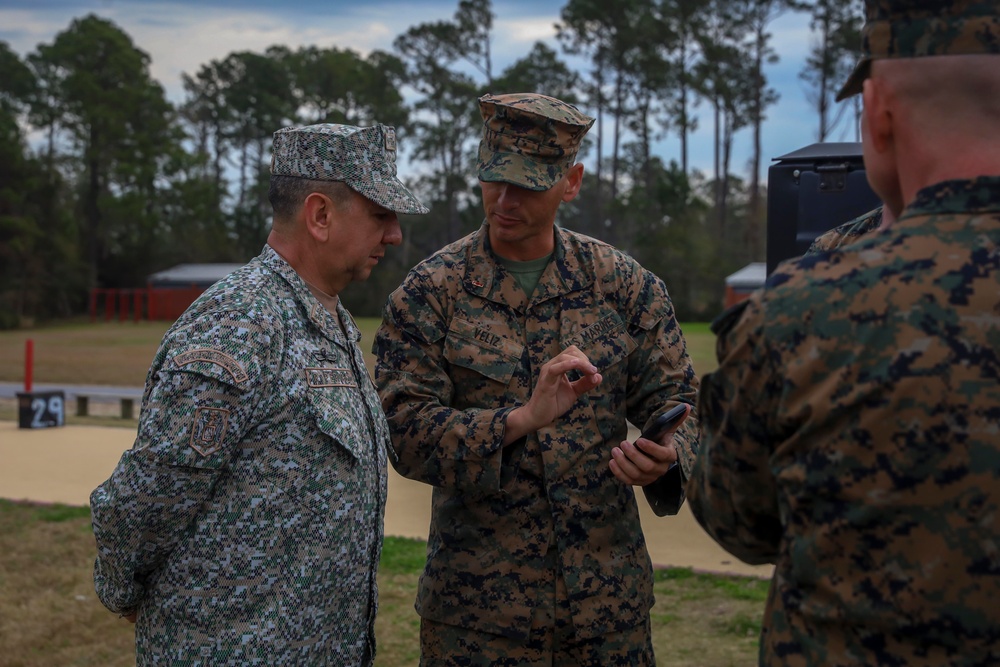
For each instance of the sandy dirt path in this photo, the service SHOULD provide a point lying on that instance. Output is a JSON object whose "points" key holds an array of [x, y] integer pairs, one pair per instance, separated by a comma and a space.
{"points": [[63, 465]]}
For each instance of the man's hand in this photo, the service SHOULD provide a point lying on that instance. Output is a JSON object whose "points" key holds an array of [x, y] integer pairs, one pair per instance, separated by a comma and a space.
{"points": [[645, 461], [554, 394]]}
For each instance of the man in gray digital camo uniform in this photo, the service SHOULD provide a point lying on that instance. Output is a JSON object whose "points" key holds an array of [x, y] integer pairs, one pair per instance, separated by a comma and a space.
{"points": [[508, 363], [244, 527], [851, 434]]}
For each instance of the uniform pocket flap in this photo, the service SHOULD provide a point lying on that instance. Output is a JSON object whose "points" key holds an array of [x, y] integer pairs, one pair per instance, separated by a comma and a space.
{"points": [[606, 342], [482, 351], [309, 469], [332, 419]]}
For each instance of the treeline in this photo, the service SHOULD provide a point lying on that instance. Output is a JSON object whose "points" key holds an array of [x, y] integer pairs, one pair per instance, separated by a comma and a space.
{"points": [[104, 181]]}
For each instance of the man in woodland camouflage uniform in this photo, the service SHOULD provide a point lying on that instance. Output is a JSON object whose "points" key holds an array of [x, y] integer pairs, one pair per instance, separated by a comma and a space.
{"points": [[244, 527], [508, 363], [851, 231], [851, 433]]}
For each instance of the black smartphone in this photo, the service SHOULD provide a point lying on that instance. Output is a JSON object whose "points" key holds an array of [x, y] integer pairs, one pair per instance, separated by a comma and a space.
{"points": [[665, 422]]}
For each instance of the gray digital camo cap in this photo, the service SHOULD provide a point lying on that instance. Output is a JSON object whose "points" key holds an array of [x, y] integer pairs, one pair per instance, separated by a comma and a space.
{"points": [[362, 158]]}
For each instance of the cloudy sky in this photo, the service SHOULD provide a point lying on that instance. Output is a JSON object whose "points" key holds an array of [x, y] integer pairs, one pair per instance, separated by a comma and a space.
{"points": [[181, 35]]}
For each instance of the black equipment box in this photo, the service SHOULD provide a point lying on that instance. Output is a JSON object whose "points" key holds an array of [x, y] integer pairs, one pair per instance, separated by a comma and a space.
{"points": [[809, 192]]}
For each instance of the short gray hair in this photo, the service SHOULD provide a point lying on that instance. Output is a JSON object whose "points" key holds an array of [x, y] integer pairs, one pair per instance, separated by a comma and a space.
{"points": [[286, 194]]}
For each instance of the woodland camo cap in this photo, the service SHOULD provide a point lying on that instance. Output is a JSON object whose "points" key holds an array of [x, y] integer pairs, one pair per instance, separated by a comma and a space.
{"points": [[529, 139], [918, 28], [363, 158]]}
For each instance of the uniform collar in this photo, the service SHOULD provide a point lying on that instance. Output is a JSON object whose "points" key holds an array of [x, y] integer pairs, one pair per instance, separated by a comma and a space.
{"points": [[568, 271], [977, 195], [315, 311]]}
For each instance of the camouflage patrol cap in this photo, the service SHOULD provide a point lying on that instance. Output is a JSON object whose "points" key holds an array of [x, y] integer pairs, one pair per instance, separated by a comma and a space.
{"points": [[529, 139], [363, 158], [916, 28]]}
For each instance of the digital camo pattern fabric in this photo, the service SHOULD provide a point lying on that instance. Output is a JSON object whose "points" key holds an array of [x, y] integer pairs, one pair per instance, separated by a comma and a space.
{"points": [[851, 435], [529, 139], [848, 233], [460, 347], [916, 28], [919, 28], [245, 524], [552, 626], [363, 158]]}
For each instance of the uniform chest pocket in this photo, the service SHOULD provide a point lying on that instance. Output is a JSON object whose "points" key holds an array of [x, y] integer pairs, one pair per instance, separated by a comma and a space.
{"points": [[606, 342], [481, 351], [319, 450]]}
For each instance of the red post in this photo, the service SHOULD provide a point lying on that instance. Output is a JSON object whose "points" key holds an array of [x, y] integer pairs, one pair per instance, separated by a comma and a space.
{"points": [[29, 364], [109, 304]]}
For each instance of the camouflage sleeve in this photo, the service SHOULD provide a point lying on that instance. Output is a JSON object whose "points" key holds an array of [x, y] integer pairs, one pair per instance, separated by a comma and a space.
{"points": [[731, 491], [661, 376], [847, 233], [433, 442], [196, 408]]}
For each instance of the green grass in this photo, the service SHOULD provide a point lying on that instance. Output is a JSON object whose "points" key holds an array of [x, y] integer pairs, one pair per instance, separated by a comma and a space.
{"points": [[403, 555], [120, 353], [49, 614], [736, 588], [697, 329], [59, 513]]}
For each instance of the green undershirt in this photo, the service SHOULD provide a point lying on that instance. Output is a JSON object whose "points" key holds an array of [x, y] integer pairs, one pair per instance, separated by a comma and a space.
{"points": [[526, 273]]}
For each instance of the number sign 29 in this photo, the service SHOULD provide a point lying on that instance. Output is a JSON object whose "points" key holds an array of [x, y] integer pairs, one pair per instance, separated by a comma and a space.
{"points": [[41, 409]]}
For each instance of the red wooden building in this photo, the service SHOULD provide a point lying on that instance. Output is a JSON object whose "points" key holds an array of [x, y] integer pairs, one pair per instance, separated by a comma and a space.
{"points": [[739, 285], [166, 294]]}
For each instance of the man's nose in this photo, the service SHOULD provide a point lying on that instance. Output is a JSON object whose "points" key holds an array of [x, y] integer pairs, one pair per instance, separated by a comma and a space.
{"points": [[393, 233], [510, 196]]}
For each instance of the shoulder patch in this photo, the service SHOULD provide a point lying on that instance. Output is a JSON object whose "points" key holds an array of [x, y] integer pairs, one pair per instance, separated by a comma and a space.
{"points": [[216, 357], [208, 430]]}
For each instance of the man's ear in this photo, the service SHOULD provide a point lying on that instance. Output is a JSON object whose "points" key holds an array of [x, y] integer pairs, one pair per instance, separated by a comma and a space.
{"points": [[317, 209], [574, 179], [880, 135], [877, 113]]}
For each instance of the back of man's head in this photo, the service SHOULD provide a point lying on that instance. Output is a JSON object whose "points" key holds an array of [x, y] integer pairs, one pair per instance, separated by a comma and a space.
{"points": [[930, 74]]}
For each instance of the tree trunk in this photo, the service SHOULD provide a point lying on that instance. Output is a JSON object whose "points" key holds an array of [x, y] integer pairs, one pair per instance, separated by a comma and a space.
{"points": [[684, 110], [244, 158], [717, 108], [489, 64], [647, 167], [727, 151], [758, 121], [263, 205], [616, 139], [92, 210], [598, 195], [824, 80], [217, 165]]}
